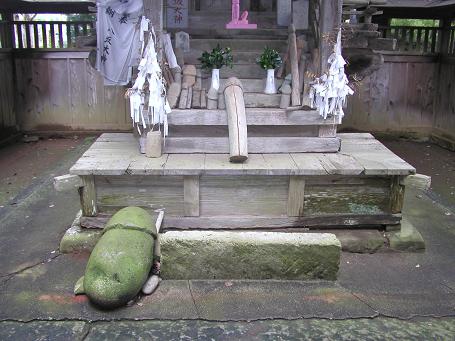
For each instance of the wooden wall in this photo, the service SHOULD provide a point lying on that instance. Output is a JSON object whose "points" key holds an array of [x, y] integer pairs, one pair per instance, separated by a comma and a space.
{"points": [[444, 114], [400, 97], [60, 91], [7, 110]]}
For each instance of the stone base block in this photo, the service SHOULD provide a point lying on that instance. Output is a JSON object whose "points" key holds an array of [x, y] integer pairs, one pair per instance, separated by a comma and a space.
{"points": [[249, 255], [407, 239], [77, 239]]}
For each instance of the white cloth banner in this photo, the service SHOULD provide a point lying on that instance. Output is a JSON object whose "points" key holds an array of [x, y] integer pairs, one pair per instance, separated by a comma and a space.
{"points": [[118, 39]]}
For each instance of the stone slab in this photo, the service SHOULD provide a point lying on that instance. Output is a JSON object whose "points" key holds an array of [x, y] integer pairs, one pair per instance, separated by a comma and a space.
{"points": [[249, 255]]}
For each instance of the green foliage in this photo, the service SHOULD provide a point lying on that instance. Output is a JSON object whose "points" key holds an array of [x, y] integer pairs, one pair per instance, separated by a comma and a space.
{"points": [[216, 59], [81, 17], [269, 59], [415, 22]]}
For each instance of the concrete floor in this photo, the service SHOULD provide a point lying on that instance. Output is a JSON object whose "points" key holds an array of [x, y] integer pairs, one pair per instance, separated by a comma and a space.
{"points": [[381, 296]]}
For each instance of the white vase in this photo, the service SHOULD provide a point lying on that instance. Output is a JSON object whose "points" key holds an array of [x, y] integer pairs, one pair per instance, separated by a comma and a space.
{"points": [[215, 79], [270, 87]]}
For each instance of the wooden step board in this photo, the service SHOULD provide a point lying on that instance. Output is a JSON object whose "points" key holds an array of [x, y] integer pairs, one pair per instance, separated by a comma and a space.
{"points": [[254, 117], [363, 185], [256, 145], [361, 154]]}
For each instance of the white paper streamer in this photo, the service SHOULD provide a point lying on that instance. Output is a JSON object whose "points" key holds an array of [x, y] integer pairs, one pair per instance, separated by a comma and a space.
{"points": [[149, 82], [328, 93]]}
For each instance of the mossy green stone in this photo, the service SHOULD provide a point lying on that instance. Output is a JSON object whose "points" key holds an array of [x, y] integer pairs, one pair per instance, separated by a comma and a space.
{"points": [[133, 218], [121, 261]]}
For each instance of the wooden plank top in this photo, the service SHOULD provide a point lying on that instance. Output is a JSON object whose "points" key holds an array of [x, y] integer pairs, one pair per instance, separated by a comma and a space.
{"points": [[361, 154]]}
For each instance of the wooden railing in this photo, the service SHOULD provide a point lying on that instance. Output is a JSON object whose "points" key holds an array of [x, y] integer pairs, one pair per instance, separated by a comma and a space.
{"points": [[451, 49], [43, 34], [424, 40]]}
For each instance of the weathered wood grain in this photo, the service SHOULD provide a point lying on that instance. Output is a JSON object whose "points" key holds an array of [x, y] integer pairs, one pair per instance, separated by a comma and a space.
{"points": [[257, 222], [267, 145], [254, 116], [191, 195], [87, 193], [296, 196]]}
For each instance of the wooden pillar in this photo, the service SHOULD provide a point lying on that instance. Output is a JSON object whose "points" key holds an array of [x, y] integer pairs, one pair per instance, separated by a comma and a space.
{"points": [[295, 94], [191, 195], [235, 107], [329, 23], [87, 195], [153, 10], [396, 194], [296, 196], [445, 36], [6, 31]]}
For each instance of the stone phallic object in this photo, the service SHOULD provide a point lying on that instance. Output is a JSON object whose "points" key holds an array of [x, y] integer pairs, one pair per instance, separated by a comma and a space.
{"points": [[189, 100], [183, 98], [153, 144], [175, 88], [235, 107], [173, 94], [300, 10], [182, 41], [295, 95], [121, 261], [179, 54], [221, 102], [196, 99], [212, 99], [189, 76], [284, 12], [203, 99], [285, 96]]}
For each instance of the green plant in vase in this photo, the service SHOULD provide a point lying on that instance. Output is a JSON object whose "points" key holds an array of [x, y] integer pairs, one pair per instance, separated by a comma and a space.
{"points": [[215, 60], [269, 60]]}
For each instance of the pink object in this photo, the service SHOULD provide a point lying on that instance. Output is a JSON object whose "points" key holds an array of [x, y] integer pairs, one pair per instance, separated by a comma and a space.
{"points": [[237, 21]]}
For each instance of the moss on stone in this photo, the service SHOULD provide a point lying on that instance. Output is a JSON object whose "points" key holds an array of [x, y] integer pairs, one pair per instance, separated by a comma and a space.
{"points": [[249, 255], [121, 260]]}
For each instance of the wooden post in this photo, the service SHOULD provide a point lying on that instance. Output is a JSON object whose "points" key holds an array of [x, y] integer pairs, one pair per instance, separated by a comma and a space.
{"points": [[445, 36], [396, 194], [295, 95], [296, 196], [153, 10], [87, 195], [191, 195], [329, 22], [235, 107]]}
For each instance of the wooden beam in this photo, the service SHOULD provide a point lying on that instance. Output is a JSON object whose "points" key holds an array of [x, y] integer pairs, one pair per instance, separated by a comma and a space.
{"points": [[88, 196], [296, 196], [255, 222], [191, 196]]}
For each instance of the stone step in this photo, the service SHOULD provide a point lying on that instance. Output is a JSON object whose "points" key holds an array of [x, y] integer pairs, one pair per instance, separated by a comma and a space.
{"points": [[218, 20], [249, 255], [241, 71], [261, 100], [254, 117], [238, 44], [239, 57], [223, 33]]}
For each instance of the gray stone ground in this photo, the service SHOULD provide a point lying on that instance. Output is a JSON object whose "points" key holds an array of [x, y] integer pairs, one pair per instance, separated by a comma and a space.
{"points": [[387, 295]]}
